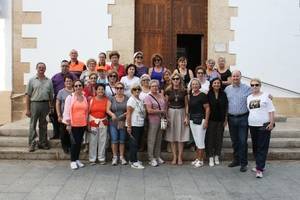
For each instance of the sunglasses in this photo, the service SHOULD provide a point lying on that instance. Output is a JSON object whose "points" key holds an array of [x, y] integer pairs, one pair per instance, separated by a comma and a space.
{"points": [[157, 60], [175, 79], [140, 57], [136, 89], [112, 76], [79, 85], [119, 88], [256, 85], [145, 80]]}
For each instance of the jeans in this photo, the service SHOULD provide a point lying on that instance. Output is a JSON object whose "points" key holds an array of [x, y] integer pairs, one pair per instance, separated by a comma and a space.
{"points": [[77, 137], [238, 129], [117, 135], [137, 133], [260, 145]]}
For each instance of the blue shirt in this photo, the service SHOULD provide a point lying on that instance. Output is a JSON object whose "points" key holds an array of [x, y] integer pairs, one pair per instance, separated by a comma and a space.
{"points": [[237, 98]]}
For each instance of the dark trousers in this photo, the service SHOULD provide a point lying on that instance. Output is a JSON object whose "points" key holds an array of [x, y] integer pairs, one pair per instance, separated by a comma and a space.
{"points": [[260, 145], [55, 123], [137, 133], [238, 129], [214, 138], [76, 138], [64, 137]]}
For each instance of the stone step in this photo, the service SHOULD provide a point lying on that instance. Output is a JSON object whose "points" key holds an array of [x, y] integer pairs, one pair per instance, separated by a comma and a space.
{"points": [[274, 143], [21, 153], [22, 142]]}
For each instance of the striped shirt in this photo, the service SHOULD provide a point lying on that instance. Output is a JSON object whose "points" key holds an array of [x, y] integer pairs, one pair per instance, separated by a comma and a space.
{"points": [[237, 98]]}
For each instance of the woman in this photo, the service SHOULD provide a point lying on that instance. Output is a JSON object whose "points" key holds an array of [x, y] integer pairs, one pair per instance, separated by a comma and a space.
{"points": [[144, 82], [130, 79], [218, 104], [178, 131], [166, 80], [211, 73], [156, 109], [99, 107], [138, 61], [60, 103], [261, 123], [182, 69], [200, 75], [112, 77], [75, 117], [102, 62], [114, 57], [224, 72], [157, 70], [117, 126], [135, 118], [89, 90], [91, 68], [199, 115]]}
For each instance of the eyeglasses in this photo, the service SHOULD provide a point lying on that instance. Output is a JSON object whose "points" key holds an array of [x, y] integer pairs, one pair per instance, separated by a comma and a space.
{"points": [[136, 89], [175, 79], [112, 76], [119, 88], [256, 85], [145, 80], [139, 57], [79, 85]]}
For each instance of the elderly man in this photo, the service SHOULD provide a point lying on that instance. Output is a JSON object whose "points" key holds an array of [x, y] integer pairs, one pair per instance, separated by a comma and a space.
{"points": [[76, 66], [58, 84], [237, 94], [39, 95]]}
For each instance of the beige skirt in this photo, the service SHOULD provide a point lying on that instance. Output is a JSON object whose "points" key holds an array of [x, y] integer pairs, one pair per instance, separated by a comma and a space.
{"points": [[177, 131]]}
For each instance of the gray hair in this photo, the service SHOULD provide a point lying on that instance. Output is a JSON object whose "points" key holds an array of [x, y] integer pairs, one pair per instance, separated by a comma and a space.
{"points": [[153, 81]]}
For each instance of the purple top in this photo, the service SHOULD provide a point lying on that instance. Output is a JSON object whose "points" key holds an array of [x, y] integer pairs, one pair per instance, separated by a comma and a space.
{"points": [[141, 70], [158, 75], [214, 74], [155, 118], [58, 81]]}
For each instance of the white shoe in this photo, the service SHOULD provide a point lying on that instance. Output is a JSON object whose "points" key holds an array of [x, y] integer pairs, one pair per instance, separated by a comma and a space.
{"points": [[137, 165], [102, 162], [130, 163], [211, 161], [217, 161], [153, 163], [259, 174], [79, 164], [73, 165], [123, 161], [199, 164], [253, 169], [114, 161], [194, 162], [160, 161]]}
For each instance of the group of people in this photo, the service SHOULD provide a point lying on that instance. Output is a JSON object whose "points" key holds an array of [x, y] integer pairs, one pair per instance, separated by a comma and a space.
{"points": [[100, 102]]}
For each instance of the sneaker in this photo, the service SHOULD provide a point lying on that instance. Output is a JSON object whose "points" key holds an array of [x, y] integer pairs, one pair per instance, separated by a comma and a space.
{"points": [[92, 163], [79, 164], [130, 163], [160, 161], [153, 163], [217, 161], [253, 169], [259, 174], [123, 161], [211, 161], [194, 162], [199, 164], [102, 162], [73, 165], [137, 165], [114, 161]]}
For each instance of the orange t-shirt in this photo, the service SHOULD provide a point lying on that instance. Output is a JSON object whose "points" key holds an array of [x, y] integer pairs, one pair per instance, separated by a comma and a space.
{"points": [[79, 113], [98, 110], [107, 67], [77, 66]]}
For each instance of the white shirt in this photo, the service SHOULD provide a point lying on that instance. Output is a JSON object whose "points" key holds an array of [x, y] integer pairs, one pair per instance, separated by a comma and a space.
{"points": [[128, 83], [143, 95], [204, 87], [259, 108], [138, 114]]}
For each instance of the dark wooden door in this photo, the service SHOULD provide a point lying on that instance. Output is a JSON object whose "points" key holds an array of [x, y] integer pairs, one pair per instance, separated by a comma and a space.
{"points": [[158, 22]]}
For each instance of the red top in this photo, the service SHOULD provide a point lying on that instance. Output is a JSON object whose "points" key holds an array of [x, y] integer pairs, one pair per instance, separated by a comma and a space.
{"points": [[121, 71], [98, 110]]}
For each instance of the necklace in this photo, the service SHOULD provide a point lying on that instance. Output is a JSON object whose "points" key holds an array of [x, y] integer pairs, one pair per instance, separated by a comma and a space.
{"points": [[176, 95]]}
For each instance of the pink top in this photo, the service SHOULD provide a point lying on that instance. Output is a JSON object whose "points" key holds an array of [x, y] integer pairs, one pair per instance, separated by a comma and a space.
{"points": [[75, 111], [155, 118]]}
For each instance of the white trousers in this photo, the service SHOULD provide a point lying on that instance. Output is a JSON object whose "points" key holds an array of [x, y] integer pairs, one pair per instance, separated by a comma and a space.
{"points": [[97, 140]]}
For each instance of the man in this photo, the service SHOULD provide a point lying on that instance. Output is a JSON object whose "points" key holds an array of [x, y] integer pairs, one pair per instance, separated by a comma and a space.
{"points": [[237, 94], [39, 95], [58, 84], [76, 66]]}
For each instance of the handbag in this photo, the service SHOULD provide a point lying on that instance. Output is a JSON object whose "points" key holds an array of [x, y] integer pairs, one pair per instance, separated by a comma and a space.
{"points": [[163, 120], [196, 118]]}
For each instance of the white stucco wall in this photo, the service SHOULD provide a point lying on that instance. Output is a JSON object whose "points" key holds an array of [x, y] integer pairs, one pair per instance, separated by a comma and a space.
{"points": [[5, 46], [267, 42], [66, 25]]}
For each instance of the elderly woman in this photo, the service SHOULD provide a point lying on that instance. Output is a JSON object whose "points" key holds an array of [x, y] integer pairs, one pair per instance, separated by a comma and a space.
{"points": [[130, 79], [75, 117], [60, 103], [261, 122], [199, 115], [117, 126], [182, 69], [218, 104], [138, 61], [114, 57], [112, 77], [224, 72], [211, 73], [89, 90], [201, 76], [144, 82], [99, 107], [157, 70], [91, 68], [178, 131], [135, 125], [156, 109]]}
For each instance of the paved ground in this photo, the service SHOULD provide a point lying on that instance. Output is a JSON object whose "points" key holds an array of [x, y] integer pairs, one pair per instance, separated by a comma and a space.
{"points": [[54, 180]]}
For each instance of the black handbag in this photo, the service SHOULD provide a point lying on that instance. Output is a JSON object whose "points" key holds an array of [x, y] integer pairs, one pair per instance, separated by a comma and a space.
{"points": [[196, 118]]}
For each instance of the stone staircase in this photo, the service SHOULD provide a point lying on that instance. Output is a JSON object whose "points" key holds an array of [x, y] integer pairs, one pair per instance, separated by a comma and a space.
{"points": [[285, 143]]}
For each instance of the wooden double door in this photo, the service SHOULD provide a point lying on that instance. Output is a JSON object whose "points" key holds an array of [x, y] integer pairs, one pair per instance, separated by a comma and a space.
{"points": [[172, 28]]}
